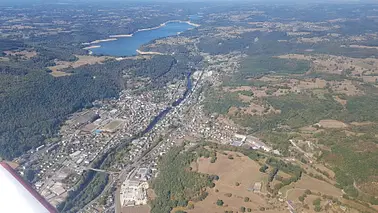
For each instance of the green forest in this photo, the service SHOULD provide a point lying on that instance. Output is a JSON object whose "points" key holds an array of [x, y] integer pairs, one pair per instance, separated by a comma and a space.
{"points": [[31, 100], [176, 185]]}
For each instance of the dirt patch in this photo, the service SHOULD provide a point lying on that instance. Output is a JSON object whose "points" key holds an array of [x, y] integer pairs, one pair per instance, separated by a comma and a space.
{"points": [[341, 101], [233, 111], [332, 124], [136, 209], [366, 123], [245, 98], [308, 129], [151, 194]]}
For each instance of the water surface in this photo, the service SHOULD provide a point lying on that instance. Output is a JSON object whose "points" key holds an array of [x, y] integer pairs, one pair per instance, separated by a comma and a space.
{"points": [[128, 46]]}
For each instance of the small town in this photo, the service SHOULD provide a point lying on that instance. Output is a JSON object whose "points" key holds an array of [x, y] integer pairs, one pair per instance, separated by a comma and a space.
{"points": [[90, 133]]}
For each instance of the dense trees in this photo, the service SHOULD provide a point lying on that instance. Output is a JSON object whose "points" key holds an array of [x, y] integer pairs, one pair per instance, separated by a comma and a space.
{"points": [[263, 168], [220, 101], [33, 109], [175, 184], [8, 44], [34, 105]]}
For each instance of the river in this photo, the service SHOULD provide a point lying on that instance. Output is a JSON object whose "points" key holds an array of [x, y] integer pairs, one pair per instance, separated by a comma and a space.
{"points": [[169, 108], [127, 46]]}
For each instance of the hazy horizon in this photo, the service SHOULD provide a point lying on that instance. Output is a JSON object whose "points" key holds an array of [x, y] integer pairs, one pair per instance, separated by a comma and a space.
{"points": [[186, 1]]}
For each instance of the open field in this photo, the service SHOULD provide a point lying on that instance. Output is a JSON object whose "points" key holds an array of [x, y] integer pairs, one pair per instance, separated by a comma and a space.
{"points": [[112, 125], [57, 73], [315, 185], [332, 124], [236, 178], [26, 54], [82, 60], [365, 69]]}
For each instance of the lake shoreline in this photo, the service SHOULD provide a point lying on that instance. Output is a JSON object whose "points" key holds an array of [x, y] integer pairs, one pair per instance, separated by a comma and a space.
{"points": [[91, 47], [114, 37], [148, 53]]}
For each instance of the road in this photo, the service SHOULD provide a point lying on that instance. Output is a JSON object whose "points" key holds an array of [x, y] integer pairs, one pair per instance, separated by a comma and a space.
{"points": [[127, 171]]}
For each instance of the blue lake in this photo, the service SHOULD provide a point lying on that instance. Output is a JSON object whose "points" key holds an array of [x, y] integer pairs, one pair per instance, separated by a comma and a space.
{"points": [[127, 46]]}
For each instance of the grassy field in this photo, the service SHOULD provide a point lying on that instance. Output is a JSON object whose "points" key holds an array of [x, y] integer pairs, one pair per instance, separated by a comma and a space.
{"points": [[241, 170], [237, 177], [82, 60]]}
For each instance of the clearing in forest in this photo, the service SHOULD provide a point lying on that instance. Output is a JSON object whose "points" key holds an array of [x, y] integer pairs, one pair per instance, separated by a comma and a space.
{"points": [[237, 176], [82, 60]]}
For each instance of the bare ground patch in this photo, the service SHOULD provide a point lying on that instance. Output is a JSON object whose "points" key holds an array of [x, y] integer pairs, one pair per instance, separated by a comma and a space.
{"points": [[339, 100], [136, 209], [366, 123], [59, 73], [332, 124]]}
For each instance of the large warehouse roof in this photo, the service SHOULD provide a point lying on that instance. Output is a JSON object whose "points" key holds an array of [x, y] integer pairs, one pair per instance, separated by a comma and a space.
{"points": [[18, 196]]}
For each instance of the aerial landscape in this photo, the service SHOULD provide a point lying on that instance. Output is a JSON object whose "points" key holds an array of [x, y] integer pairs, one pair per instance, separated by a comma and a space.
{"points": [[191, 106]]}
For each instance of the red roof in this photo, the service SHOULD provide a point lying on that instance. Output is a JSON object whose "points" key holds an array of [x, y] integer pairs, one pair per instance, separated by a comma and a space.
{"points": [[29, 188]]}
